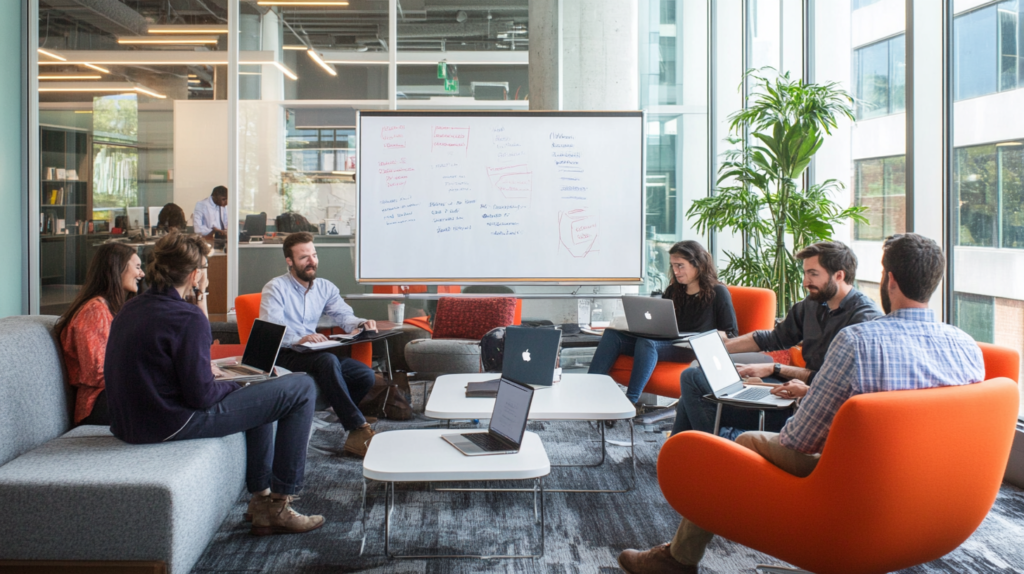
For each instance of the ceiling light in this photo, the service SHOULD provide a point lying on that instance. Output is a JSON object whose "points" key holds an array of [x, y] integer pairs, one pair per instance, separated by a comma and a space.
{"points": [[187, 29], [51, 54], [319, 60], [1007, 144], [193, 76], [97, 68], [167, 40], [194, 81], [346, 172], [83, 111], [302, 3], [285, 70], [121, 87], [70, 76], [294, 47]]}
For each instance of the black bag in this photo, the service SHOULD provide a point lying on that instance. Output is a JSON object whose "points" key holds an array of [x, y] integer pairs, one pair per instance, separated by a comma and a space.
{"points": [[385, 400], [492, 350]]}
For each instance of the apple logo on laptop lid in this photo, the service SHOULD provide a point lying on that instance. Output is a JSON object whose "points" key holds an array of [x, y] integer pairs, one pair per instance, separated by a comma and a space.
{"points": [[526, 355], [647, 315]]}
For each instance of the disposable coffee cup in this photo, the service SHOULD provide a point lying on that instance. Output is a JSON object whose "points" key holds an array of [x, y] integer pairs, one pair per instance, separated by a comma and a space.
{"points": [[396, 312]]}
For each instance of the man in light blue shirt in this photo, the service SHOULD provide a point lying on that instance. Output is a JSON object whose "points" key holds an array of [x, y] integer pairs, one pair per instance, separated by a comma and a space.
{"points": [[297, 299], [210, 218], [907, 349]]}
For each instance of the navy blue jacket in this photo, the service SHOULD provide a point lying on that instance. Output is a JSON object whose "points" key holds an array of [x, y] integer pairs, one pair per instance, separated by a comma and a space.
{"points": [[157, 368]]}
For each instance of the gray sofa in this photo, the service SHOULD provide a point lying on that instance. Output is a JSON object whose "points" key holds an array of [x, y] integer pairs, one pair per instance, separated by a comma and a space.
{"points": [[80, 494]]}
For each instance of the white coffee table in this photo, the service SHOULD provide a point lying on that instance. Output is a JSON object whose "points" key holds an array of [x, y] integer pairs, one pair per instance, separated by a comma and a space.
{"points": [[577, 397], [421, 455]]}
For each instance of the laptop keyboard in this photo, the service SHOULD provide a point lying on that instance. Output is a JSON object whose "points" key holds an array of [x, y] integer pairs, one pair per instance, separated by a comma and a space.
{"points": [[240, 370], [485, 441], [752, 394]]}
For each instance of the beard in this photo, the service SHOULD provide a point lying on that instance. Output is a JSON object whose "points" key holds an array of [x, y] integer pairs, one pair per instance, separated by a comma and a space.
{"points": [[883, 290], [824, 294], [307, 273]]}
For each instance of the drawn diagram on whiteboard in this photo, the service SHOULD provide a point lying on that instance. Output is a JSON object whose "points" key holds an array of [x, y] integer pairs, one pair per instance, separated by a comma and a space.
{"points": [[514, 181], [577, 231]]}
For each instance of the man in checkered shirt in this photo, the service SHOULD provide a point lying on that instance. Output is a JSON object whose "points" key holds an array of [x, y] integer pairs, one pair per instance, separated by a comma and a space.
{"points": [[904, 350]]}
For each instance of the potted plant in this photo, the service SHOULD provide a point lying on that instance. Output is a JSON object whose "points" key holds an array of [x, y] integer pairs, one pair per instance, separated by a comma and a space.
{"points": [[759, 195]]}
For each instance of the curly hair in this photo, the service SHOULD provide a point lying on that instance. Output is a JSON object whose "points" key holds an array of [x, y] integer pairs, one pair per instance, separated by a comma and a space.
{"points": [[175, 256]]}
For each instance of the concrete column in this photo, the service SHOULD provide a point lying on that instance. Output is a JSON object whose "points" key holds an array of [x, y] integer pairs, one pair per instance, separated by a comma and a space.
{"points": [[273, 79], [543, 71], [249, 32]]}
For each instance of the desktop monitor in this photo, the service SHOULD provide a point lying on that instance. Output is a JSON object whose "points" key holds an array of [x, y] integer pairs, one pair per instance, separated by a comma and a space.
{"points": [[256, 225]]}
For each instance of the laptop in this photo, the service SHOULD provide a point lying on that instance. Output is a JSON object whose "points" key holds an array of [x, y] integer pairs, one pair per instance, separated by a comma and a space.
{"points": [[652, 317], [724, 380], [260, 354], [529, 359], [508, 423]]}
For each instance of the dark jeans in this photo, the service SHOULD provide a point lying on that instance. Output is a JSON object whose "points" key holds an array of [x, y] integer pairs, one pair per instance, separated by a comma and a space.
{"points": [[274, 462], [100, 415], [645, 352], [343, 381], [694, 413]]}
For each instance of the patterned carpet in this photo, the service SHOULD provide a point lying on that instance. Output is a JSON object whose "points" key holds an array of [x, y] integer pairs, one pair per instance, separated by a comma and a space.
{"points": [[584, 532]]}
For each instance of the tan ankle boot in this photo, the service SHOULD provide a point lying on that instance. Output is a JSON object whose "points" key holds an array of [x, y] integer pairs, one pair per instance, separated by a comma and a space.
{"points": [[276, 516], [358, 441], [256, 497]]}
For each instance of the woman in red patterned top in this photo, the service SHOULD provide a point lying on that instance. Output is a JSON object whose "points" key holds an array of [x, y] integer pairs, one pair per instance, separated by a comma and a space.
{"points": [[113, 277]]}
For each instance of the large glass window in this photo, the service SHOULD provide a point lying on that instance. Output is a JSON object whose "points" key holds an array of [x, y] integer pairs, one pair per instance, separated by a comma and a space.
{"points": [[988, 189], [880, 78], [987, 50], [880, 185]]}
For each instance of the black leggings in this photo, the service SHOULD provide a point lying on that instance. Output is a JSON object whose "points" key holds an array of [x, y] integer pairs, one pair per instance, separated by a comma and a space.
{"points": [[100, 414]]}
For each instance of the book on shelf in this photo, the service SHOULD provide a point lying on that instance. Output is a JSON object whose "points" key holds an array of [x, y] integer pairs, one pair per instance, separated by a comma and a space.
{"points": [[71, 174], [60, 196], [61, 173], [52, 200]]}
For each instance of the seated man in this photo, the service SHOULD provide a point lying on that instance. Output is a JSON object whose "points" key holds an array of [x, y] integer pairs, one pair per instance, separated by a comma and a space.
{"points": [[297, 299], [830, 268], [905, 350]]}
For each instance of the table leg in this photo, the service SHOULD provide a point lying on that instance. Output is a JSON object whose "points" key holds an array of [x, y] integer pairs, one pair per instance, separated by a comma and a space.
{"points": [[387, 357], [760, 420], [718, 419], [604, 451]]}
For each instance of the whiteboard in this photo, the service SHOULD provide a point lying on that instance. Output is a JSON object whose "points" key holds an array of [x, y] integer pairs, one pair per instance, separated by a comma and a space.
{"points": [[510, 197]]}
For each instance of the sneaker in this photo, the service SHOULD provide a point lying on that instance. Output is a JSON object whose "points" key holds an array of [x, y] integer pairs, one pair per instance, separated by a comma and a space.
{"points": [[657, 560], [276, 516], [255, 500], [358, 441]]}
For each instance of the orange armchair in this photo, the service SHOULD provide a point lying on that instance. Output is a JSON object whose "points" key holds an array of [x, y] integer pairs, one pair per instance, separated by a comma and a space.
{"points": [[1000, 362], [905, 477], [755, 310]]}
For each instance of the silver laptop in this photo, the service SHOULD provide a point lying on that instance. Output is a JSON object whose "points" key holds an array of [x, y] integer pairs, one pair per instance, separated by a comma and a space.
{"points": [[260, 354], [508, 424], [652, 317], [724, 380]]}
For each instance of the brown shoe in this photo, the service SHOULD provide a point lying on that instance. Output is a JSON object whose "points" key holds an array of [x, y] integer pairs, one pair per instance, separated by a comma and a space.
{"points": [[276, 516], [256, 497], [657, 560], [359, 440]]}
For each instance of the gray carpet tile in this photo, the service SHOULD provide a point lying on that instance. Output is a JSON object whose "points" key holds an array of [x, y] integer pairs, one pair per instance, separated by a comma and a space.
{"points": [[584, 532]]}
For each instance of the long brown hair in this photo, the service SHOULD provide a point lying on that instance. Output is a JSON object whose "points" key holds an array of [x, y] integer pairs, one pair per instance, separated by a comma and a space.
{"points": [[103, 279], [175, 256], [707, 276]]}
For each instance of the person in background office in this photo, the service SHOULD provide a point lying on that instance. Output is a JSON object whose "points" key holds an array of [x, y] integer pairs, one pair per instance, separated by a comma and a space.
{"points": [[292, 222], [171, 217], [162, 386], [830, 268], [297, 299], [701, 304], [906, 349], [210, 218], [113, 278]]}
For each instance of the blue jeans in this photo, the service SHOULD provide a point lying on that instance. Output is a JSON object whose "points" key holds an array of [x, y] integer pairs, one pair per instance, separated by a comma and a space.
{"points": [[274, 462], [343, 381], [694, 413], [645, 352]]}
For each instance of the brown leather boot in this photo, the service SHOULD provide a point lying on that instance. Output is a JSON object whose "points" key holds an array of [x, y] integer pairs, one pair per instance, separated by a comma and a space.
{"points": [[275, 515], [359, 440], [256, 496], [657, 560]]}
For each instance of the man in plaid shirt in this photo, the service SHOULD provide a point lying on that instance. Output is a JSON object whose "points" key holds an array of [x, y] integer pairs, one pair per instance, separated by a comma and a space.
{"points": [[904, 350]]}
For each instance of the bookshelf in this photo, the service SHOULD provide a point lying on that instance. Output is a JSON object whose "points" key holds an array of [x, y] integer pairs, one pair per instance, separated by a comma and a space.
{"points": [[65, 204]]}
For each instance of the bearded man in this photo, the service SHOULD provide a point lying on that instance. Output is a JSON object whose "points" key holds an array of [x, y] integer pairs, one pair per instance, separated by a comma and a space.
{"points": [[832, 303], [297, 299]]}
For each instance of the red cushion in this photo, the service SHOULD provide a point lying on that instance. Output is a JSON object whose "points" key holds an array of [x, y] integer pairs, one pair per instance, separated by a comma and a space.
{"points": [[472, 318]]}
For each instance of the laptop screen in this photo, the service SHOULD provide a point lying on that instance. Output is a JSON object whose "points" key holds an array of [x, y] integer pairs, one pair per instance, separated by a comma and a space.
{"points": [[511, 409], [256, 225], [714, 360], [263, 345]]}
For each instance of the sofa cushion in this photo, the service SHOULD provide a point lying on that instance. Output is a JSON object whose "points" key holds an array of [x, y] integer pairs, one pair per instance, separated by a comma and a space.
{"points": [[89, 496], [472, 318], [430, 358], [35, 402]]}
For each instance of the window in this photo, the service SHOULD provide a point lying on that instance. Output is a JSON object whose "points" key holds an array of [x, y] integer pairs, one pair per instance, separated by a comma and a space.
{"points": [[880, 185], [987, 50], [880, 78], [975, 314], [858, 4], [989, 192]]}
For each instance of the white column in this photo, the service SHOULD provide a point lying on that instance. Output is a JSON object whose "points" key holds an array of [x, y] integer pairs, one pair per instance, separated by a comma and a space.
{"points": [[233, 179]]}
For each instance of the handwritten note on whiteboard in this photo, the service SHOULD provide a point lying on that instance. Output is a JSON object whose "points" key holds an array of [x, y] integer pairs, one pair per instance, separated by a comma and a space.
{"points": [[530, 197]]}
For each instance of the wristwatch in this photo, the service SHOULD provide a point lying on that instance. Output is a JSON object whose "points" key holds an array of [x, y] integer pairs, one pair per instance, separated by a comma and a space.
{"points": [[777, 369]]}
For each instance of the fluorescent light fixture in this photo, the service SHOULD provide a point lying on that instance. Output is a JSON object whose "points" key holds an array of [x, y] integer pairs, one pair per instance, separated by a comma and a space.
{"points": [[176, 40], [51, 54], [1008, 144], [193, 76], [302, 3], [97, 68], [119, 87], [295, 47], [70, 76], [347, 172], [83, 111], [187, 29], [319, 60], [149, 92], [194, 81], [285, 70]]}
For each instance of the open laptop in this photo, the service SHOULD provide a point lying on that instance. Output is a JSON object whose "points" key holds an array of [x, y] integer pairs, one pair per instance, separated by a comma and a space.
{"points": [[652, 317], [722, 376], [508, 423], [529, 359], [260, 354]]}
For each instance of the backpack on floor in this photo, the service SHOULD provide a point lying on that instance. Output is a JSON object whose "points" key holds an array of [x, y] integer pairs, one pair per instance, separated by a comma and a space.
{"points": [[385, 400], [492, 350]]}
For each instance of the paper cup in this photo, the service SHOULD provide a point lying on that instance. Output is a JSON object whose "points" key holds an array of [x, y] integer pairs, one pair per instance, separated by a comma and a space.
{"points": [[396, 312]]}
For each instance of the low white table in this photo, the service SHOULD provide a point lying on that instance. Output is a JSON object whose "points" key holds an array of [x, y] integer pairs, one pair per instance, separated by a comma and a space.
{"points": [[423, 456], [577, 397]]}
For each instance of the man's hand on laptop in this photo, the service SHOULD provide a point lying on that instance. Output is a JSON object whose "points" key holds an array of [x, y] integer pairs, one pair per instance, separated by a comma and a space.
{"points": [[759, 370], [794, 389], [369, 325], [217, 373], [313, 338]]}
